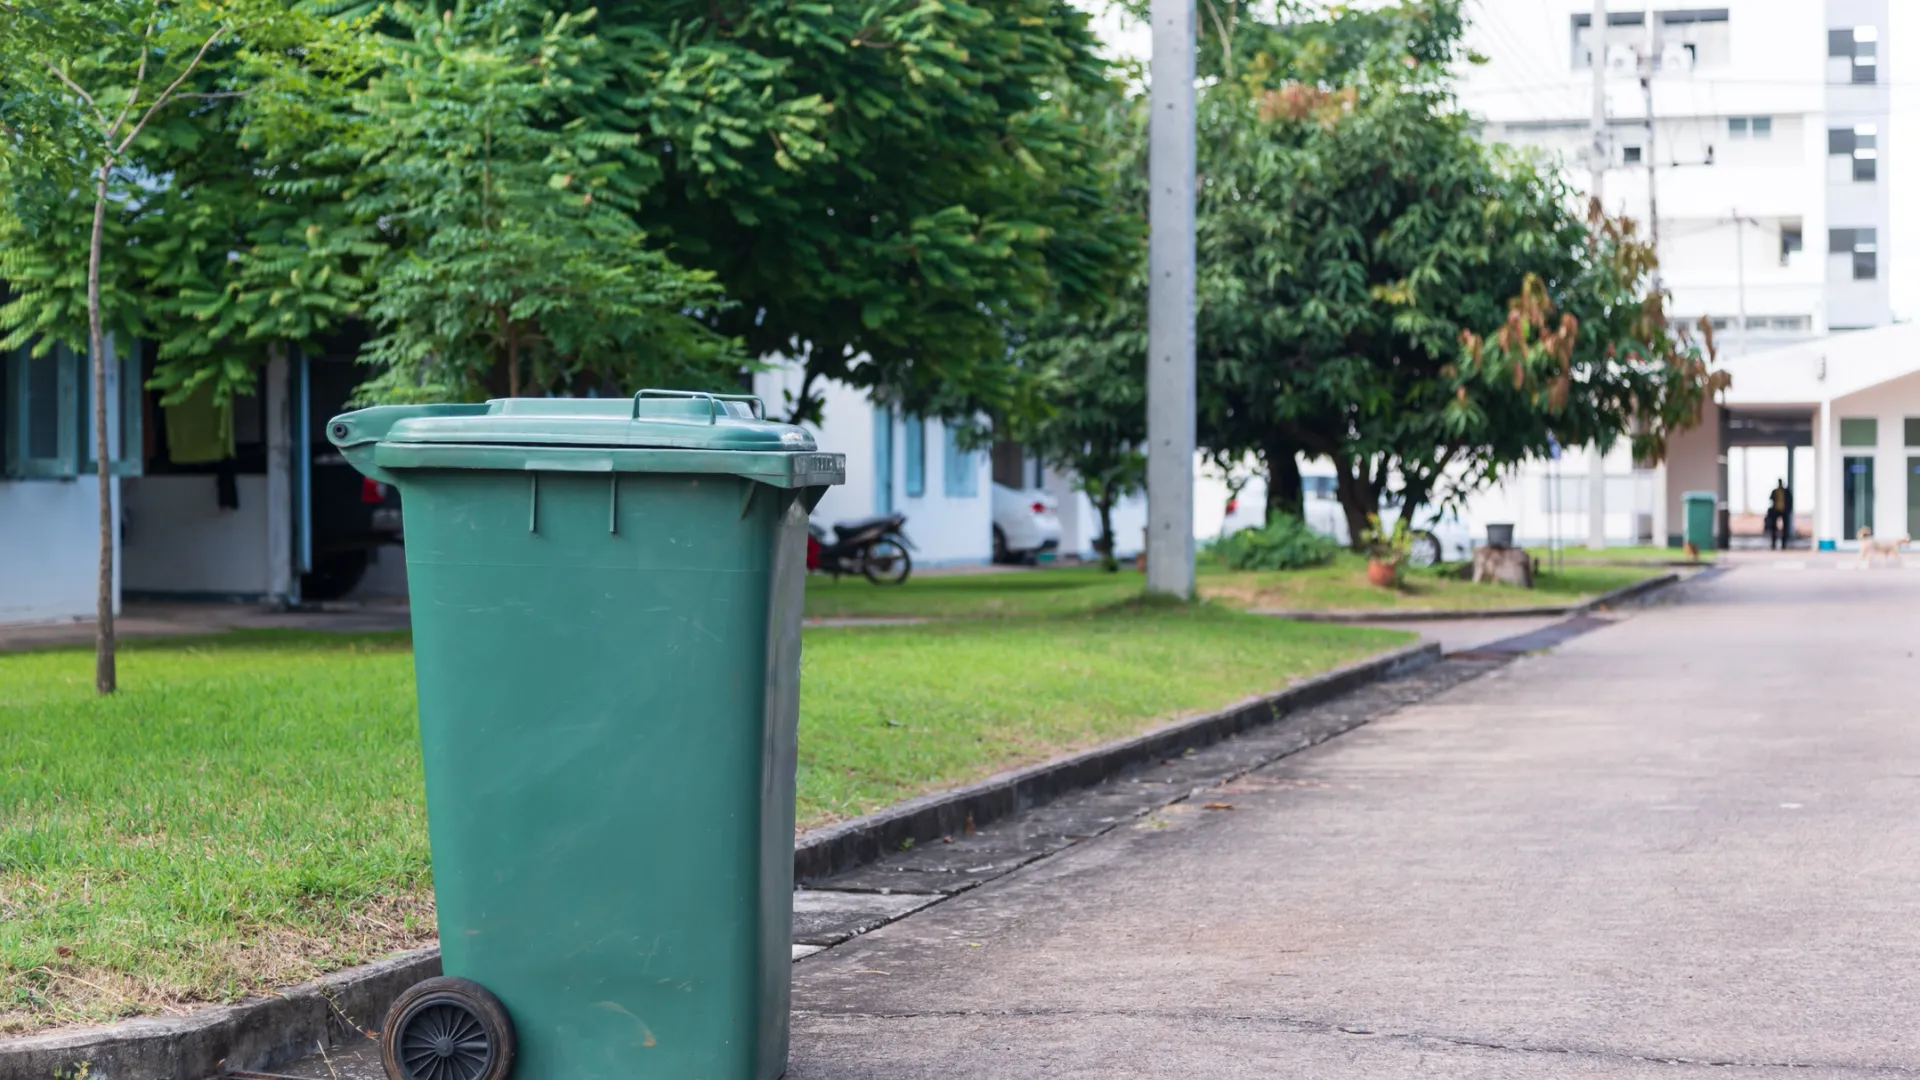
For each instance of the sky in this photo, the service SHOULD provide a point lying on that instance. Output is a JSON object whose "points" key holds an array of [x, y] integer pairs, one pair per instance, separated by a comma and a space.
{"points": [[1901, 44]]}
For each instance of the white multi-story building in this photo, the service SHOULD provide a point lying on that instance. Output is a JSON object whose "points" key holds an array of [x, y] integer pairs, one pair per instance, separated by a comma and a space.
{"points": [[1758, 128]]}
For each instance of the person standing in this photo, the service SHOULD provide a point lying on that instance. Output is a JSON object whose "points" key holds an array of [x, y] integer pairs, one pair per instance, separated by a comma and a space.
{"points": [[1779, 516]]}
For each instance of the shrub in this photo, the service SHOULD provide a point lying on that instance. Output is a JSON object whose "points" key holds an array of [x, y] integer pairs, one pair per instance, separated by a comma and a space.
{"points": [[1283, 543]]}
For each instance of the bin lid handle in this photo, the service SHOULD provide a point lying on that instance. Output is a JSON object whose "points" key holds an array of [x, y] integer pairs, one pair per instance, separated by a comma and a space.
{"points": [[712, 400]]}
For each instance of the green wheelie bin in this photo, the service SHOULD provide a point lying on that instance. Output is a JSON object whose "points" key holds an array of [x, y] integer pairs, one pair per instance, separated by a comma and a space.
{"points": [[1701, 508], [606, 624]]}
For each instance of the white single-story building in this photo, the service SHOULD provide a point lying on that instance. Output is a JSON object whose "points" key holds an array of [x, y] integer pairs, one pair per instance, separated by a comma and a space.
{"points": [[1853, 401], [235, 522], [49, 494], [1837, 419]]}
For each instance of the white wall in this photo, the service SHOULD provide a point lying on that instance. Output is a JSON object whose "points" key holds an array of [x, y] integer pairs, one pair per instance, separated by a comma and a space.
{"points": [[49, 549], [178, 540], [50, 538], [945, 529], [1531, 93]]}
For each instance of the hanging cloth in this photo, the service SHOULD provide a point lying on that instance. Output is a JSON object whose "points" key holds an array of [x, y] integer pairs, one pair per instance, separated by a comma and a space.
{"points": [[198, 430]]}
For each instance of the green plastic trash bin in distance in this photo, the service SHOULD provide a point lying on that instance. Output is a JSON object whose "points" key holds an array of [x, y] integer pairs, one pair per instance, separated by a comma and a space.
{"points": [[1701, 509], [606, 622]]}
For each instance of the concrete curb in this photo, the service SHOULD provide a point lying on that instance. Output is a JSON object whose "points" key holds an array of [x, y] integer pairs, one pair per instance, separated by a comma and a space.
{"points": [[347, 1005], [1614, 596], [351, 1005], [836, 848], [1627, 592]]}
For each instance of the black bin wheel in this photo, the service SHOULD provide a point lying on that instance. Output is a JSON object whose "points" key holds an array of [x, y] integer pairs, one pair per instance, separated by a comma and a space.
{"points": [[447, 1029]]}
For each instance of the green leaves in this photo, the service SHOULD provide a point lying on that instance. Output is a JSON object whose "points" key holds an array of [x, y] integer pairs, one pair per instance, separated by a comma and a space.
{"points": [[515, 264], [197, 252], [887, 190]]}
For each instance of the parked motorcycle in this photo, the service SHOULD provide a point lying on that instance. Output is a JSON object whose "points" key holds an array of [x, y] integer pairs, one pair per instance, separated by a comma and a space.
{"points": [[874, 547]]}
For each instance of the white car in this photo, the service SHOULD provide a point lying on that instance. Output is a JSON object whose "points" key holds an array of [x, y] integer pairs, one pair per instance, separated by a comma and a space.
{"points": [[1026, 524]]}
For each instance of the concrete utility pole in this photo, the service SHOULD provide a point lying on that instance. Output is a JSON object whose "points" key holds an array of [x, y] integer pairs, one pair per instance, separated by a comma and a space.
{"points": [[1170, 260], [1599, 153], [1596, 455], [1653, 197]]}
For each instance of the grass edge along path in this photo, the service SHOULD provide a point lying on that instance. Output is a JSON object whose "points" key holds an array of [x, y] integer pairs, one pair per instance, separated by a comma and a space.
{"points": [[247, 813], [1340, 585]]}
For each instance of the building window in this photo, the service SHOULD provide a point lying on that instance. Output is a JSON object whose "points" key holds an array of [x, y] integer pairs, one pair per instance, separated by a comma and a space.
{"points": [[1860, 142], [1780, 324], [1792, 242], [1859, 431], [1759, 127], [961, 473], [913, 455], [1623, 31], [1912, 431], [1696, 38], [1862, 246], [1630, 155], [1859, 46], [1856, 495], [48, 405]]}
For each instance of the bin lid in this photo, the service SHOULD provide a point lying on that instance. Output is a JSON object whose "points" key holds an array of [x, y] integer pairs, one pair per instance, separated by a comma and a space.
{"points": [[663, 419]]}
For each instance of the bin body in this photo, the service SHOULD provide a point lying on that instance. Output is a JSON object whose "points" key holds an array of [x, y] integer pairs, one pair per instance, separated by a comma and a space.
{"points": [[1701, 507], [607, 656]]}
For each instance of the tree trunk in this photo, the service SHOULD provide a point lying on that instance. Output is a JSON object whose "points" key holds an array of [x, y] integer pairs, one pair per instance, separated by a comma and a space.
{"points": [[807, 404], [1285, 493], [105, 675], [513, 366], [1359, 499], [1104, 505]]}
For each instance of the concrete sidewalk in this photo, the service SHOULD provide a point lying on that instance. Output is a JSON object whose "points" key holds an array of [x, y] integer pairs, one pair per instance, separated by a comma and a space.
{"points": [[1683, 845], [146, 619]]}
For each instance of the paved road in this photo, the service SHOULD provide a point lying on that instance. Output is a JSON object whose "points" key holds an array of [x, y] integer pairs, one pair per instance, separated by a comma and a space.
{"points": [[1691, 837]]}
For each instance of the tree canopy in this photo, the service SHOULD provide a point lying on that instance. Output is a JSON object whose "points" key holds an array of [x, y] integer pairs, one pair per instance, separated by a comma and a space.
{"points": [[1355, 232], [515, 264], [883, 190]]}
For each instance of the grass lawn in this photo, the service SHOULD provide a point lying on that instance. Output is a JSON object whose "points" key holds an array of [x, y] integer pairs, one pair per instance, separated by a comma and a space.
{"points": [[1045, 591], [1342, 585], [888, 712], [1339, 585], [247, 812], [1641, 554]]}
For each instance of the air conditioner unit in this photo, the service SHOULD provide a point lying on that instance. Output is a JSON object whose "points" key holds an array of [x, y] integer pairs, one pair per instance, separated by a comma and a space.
{"points": [[1622, 60], [1676, 59]]}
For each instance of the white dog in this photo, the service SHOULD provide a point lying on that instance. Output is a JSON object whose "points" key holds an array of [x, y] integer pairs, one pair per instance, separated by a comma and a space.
{"points": [[1888, 550]]}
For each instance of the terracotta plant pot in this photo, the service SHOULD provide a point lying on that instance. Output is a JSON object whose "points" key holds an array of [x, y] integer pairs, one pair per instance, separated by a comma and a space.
{"points": [[1383, 574]]}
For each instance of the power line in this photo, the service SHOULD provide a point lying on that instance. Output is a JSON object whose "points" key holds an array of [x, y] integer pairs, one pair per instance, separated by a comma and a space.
{"points": [[1572, 83]]}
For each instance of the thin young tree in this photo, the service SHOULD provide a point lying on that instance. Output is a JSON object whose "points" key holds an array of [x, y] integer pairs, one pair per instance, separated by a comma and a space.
{"points": [[84, 82]]}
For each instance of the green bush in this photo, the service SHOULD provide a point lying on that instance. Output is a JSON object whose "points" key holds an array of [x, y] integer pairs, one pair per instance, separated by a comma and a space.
{"points": [[1283, 543]]}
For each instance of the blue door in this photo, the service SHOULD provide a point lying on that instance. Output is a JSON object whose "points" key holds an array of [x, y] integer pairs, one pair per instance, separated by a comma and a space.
{"points": [[882, 460]]}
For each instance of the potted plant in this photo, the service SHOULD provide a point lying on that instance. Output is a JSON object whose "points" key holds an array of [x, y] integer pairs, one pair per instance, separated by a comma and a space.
{"points": [[1387, 550]]}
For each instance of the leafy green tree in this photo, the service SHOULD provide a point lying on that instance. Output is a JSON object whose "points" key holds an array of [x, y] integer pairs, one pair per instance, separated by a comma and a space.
{"points": [[516, 262], [1353, 227], [886, 190], [1086, 409], [87, 85], [1091, 418]]}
